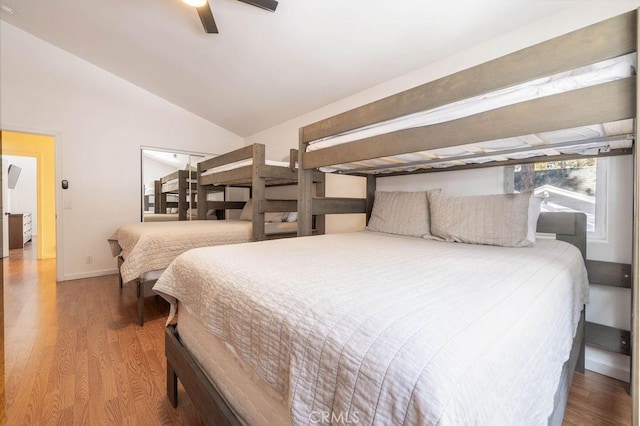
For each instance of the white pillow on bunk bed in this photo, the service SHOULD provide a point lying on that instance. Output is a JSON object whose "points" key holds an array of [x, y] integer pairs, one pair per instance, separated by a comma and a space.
{"points": [[401, 213], [499, 220]]}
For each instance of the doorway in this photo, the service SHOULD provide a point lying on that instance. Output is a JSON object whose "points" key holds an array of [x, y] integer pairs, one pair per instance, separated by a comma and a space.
{"points": [[29, 159]]}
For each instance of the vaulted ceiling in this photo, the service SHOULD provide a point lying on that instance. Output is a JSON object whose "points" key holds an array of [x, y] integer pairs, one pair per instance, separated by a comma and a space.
{"points": [[265, 68]]}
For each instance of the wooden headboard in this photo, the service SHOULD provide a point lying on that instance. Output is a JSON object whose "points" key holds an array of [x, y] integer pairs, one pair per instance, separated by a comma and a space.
{"points": [[569, 227]]}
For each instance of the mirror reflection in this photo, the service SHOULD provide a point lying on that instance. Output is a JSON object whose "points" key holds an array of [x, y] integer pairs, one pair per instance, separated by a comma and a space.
{"points": [[169, 184]]}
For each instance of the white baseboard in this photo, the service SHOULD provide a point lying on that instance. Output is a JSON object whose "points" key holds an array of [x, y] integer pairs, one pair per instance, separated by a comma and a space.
{"points": [[616, 371], [90, 274]]}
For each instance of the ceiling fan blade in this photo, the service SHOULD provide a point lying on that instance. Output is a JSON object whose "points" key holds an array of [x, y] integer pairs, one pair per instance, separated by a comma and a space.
{"points": [[206, 16], [263, 4]]}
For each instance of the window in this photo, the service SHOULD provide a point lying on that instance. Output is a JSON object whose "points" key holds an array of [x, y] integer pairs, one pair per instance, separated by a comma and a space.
{"points": [[571, 185]]}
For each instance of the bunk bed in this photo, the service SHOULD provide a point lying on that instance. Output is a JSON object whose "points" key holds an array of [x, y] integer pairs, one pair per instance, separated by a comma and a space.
{"points": [[144, 250], [248, 168], [552, 126], [150, 192], [183, 185], [156, 206]]}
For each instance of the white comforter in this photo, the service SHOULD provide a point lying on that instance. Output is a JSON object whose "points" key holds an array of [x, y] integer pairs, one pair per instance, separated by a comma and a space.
{"points": [[151, 246], [381, 329]]}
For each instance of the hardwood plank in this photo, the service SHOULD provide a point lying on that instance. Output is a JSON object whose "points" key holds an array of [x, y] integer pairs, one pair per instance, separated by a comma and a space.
{"points": [[77, 352], [258, 186], [202, 205], [597, 400], [279, 172], [607, 39], [608, 338], [222, 205], [338, 205], [170, 177], [278, 205], [609, 273], [635, 262], [228, 158], [305, 194], [371, 192]]}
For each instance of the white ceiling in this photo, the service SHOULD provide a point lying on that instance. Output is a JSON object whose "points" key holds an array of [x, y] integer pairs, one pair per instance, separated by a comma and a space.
{"points": [[265, 68], [177, 160]]}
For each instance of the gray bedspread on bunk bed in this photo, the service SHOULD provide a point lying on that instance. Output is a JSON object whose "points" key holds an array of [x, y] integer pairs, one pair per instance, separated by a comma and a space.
{"points": [[385, 329]]}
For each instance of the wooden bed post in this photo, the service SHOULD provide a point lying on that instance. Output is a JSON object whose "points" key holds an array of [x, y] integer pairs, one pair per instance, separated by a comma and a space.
{"points": [[157, 195], [635, 265], [371, 192], [257, 192], [318, 222], [183, 183], [305, 192], [202, 196]]}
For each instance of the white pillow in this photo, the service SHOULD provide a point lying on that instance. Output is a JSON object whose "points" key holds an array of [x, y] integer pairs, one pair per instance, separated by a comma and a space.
{"points": [[290, 217], [247, 211], [498, 220], [401, 213]]}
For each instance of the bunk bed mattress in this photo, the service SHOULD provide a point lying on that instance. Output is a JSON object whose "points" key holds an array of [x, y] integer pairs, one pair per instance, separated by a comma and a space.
{"points": [[529, 145], [389, 329], [243, 163], [174, 185]]}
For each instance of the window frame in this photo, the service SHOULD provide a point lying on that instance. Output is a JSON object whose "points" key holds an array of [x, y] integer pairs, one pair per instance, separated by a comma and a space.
{"points": [[602, 186]]}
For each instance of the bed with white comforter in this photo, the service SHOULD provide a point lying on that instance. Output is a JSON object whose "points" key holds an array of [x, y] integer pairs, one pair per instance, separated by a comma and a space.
{"points": [[152, 246], [385, 329]]}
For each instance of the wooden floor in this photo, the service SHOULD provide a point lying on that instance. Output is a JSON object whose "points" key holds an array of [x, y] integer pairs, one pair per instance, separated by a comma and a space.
{"points": [[75, 356]]}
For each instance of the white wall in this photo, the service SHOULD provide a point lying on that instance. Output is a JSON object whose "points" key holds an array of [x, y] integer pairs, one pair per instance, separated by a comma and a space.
{"points": [[24, 197], [608, 306], [100, 121], [153, 170]]}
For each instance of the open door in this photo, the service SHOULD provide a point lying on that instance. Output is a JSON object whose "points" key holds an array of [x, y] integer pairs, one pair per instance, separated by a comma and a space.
{"points": [[5, 211]]}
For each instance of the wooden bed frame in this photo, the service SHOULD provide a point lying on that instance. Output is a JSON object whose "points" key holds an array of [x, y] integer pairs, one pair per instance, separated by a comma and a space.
{"points": [[598, 42], [184, 192], [256, 176], [616, 100], [212, 407], [146, 203], [602, 103]]}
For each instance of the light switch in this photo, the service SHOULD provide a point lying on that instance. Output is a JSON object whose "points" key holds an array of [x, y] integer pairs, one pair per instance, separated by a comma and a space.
{"points": [[67, 204]]}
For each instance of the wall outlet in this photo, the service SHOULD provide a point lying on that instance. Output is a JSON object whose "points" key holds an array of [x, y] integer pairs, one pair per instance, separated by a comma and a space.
{"points": [[89, 260]]}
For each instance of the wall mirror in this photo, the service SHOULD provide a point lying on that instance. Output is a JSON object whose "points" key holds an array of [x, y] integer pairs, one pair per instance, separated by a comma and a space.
{"points": [[169, 184]]}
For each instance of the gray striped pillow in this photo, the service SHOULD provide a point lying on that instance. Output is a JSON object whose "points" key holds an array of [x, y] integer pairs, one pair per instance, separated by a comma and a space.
{"points": [[400, 213], [498, 220]]}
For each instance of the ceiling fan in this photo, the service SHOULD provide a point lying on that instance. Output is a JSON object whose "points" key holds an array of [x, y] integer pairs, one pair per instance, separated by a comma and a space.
{"points": [[206, 15]]}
